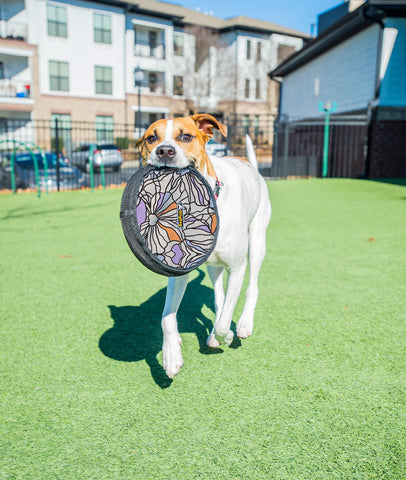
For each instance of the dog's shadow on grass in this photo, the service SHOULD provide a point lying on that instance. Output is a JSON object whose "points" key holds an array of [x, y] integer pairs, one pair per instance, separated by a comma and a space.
{"points": [[137, 334]]}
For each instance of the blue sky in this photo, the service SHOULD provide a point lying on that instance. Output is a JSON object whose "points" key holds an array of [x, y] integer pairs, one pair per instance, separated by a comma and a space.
{"points": [[295, 14]]}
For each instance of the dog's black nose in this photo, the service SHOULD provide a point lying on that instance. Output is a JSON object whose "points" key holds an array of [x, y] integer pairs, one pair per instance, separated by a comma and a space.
{"points": [[165, 152]]}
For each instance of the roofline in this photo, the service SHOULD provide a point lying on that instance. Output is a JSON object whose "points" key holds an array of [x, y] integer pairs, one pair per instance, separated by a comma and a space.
{"points": [[269, 31], [370, 13], [183, 17]]}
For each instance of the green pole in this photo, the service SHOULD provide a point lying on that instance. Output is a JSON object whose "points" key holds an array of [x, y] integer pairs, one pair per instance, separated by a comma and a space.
{"points": [[327, 108], [91, 168], [326, 141], [102, 175], [12, 172]]}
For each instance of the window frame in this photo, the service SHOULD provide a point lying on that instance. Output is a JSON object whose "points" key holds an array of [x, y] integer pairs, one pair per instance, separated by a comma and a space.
{"points": [[247, 88], [102, 83], [58, 25], [180, 84], [258, 89], [178, 49], [59, 78], [104, 32], [248, 49]]}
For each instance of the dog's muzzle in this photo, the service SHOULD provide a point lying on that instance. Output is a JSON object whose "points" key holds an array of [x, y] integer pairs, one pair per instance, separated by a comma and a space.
{"points": [[166, 153]]}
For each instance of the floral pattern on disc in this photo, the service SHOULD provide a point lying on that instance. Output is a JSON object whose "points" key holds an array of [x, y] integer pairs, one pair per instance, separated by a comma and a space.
{"points": [[176, 217]]}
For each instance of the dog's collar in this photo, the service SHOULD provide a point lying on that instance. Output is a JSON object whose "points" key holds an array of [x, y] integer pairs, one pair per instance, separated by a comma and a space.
{"points": [[217, 188]]}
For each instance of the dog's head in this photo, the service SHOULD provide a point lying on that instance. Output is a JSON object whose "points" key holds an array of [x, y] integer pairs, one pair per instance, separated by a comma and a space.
{"points": [[179, 142]]}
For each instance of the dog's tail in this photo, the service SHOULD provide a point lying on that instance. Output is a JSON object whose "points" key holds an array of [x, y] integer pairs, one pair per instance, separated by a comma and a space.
{"points": [[250, 151]]}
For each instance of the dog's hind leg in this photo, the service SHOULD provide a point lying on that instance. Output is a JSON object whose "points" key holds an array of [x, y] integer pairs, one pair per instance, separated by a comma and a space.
{"points": [[171, 349], [257, 249]]}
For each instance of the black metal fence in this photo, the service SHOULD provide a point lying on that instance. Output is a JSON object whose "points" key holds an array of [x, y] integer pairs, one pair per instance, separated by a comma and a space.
{"points": [[68, 140], [299, 145], [284, 148]]}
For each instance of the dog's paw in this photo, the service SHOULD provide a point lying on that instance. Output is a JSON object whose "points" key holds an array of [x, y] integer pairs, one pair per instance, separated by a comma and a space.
{"points": [[244, 329], [215, 339], [172, 356]]}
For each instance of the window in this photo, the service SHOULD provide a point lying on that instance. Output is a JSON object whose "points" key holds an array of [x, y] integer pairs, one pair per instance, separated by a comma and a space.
{"points": [[153, 82], [104, 80], [257, 89], [102, 28], [248, 49], [178, 44], [104, 129], [247, 88], [152, 43], [59, 76], [246, 124], [259, 48], [2, 71], [57, 23], [177, 85], [256, 126], [64, 131]]}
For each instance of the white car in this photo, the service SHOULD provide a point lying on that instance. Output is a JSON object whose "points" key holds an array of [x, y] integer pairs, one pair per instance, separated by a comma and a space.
{"points": [[216, 149], [103, 153]]}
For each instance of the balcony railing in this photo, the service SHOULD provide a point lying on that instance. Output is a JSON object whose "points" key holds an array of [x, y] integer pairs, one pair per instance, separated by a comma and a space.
{"points": [[141, 50], [13, 30], [14, 89]]}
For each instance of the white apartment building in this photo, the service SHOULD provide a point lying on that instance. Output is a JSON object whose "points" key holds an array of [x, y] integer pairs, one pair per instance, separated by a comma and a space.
{"points": [[76, 60]]}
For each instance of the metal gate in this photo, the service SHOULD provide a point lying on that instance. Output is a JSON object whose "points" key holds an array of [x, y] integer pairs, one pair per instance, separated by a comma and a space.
{"points": [[298, 147]]}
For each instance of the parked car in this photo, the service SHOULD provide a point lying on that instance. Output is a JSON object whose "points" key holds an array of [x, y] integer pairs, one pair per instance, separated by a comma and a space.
{"points": [[216, 149], [24, 169], [107, 154]]}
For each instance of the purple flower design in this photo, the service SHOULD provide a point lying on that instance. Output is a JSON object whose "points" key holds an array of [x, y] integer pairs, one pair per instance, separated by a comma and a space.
{"points": [[180, 244]]}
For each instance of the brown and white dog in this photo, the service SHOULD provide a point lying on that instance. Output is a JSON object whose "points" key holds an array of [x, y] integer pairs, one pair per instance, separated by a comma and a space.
{"points": [[244, 210]]}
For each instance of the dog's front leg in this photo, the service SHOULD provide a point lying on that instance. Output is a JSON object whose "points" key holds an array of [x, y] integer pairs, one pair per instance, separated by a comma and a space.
{"points": [[221, 332], [171, 349]]}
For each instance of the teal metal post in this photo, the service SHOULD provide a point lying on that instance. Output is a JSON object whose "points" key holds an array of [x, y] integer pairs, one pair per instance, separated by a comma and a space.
{"points": [[327, 108], [103, 180], [326, 141], [12, 171], [91, 166]]}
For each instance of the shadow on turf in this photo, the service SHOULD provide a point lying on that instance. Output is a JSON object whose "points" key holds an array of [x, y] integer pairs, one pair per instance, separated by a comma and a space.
{"points": [[137, 335]]}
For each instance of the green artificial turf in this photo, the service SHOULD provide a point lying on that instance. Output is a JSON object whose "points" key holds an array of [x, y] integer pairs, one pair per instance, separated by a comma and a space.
{"points": [[318, 392]]}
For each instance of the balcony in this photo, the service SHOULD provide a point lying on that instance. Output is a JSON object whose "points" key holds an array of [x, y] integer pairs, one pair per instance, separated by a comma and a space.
{"points": [[154, 83], [13, 30], [149, 43], [15, 91]]}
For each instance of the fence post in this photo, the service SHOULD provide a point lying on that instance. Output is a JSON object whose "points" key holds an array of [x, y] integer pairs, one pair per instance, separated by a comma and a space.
{"points": [[12, 169], [91, 166], [285, 148], [327, 108], [58, 172], [230, 133]]}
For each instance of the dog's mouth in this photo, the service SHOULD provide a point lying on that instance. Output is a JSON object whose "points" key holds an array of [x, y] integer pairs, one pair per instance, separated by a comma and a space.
{"points": [[176, 161]]}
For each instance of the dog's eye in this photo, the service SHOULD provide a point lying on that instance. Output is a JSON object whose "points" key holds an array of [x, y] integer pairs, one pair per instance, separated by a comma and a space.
{"points": [[151, 139], [186, 137]]}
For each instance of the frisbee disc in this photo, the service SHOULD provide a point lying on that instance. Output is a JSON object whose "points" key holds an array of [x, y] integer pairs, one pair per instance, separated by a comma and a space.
{"points": [[169, 219]]}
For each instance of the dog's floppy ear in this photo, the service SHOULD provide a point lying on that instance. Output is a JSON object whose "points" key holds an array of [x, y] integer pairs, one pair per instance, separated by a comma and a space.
{"points": [[140, 144], [139, 141], [206, 122]]}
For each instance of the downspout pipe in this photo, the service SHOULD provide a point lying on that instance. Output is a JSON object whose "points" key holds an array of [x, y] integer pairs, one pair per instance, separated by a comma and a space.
{"points": [[374, 15]]}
